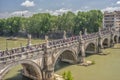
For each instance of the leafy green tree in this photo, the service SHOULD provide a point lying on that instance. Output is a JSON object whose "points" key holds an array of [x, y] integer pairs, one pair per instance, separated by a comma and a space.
{"points": [[13, 25], [53, 23], [95, 20], [91, 20], [66, 21], [42, 23], [38, 24], [2, 26], [67, 75]]}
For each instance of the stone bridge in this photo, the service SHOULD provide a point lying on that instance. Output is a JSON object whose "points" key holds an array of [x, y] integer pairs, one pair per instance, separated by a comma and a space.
{"points": [[38, 61]]}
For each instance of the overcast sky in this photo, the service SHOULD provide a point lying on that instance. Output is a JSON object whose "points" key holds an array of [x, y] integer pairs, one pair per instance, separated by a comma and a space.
{"points": [[29, 7]]}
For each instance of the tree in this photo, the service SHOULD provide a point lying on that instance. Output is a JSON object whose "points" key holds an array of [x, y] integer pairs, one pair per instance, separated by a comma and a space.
{"points": [[67, 75], [91, 20], [66, 21], [2, 26], [12, 25], [39, 24], [42, 23], [95, 20]]}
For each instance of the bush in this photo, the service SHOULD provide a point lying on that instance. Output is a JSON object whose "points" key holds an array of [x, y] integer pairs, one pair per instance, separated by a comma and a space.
{"points": [[67, 75]]}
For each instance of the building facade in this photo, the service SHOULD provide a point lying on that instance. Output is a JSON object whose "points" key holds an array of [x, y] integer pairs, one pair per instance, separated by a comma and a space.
{"points": [[111, 19]]}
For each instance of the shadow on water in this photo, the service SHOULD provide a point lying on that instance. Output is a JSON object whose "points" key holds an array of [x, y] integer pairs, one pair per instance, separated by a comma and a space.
{"points": [[88, 54], [18, 76], [61, 65]]}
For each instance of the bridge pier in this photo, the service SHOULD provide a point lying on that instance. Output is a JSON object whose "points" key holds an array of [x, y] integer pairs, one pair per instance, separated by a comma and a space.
{"points": [[48, 71], [24, 71], [117, 39], [109, 43], [49, 75], [81, 42], [96, 50], [100, 46]]}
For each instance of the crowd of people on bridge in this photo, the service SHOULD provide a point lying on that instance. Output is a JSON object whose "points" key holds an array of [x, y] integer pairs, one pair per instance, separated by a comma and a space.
{"points": [[30, 48], [20, 50], [54, 43], [62, 41]]}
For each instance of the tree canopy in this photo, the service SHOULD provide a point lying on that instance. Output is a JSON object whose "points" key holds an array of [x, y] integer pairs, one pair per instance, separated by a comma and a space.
{"points": [[43, 23]]}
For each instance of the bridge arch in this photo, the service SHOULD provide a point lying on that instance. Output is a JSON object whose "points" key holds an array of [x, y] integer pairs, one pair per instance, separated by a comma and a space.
{"points": [[34, 71], [105, 43], [115, 38], [90, 48], [119, 39], [65, 55]]}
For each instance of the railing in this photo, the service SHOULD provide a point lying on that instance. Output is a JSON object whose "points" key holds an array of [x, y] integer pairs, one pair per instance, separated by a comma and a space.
{"points": [[51, 44]]}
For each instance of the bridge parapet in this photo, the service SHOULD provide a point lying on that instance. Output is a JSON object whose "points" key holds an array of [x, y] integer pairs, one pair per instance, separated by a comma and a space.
{"points": [[63, 41], [90, 36], [55, 43], [19, 53]]}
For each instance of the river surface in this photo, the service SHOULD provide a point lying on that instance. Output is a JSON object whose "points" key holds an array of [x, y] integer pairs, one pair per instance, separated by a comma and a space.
{"points": [[105, 68]]}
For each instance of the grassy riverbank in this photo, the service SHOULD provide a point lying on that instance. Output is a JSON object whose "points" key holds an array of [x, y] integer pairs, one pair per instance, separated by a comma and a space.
{"points": [[105, 67], [16, 43]]}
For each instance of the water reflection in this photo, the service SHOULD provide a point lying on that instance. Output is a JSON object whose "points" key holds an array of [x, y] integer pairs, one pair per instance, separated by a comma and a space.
{"points": [[18, 76], [60, 64]]}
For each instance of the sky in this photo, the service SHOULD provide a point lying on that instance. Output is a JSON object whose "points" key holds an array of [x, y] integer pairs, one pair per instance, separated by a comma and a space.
{"points": [[10, 8]]}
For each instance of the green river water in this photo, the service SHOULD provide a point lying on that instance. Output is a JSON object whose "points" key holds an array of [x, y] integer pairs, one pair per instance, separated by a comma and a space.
{"points": [[105, 68]]}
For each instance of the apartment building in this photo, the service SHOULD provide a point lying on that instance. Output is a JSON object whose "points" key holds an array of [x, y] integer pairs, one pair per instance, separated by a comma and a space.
{"points": [[111, 19]]}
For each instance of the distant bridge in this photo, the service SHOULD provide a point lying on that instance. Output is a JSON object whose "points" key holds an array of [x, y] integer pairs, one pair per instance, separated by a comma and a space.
{"points": [[39, 60]]}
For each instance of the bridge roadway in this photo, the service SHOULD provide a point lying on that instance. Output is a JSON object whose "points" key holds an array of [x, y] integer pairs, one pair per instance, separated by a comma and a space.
{"points": [[39, 60]]}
